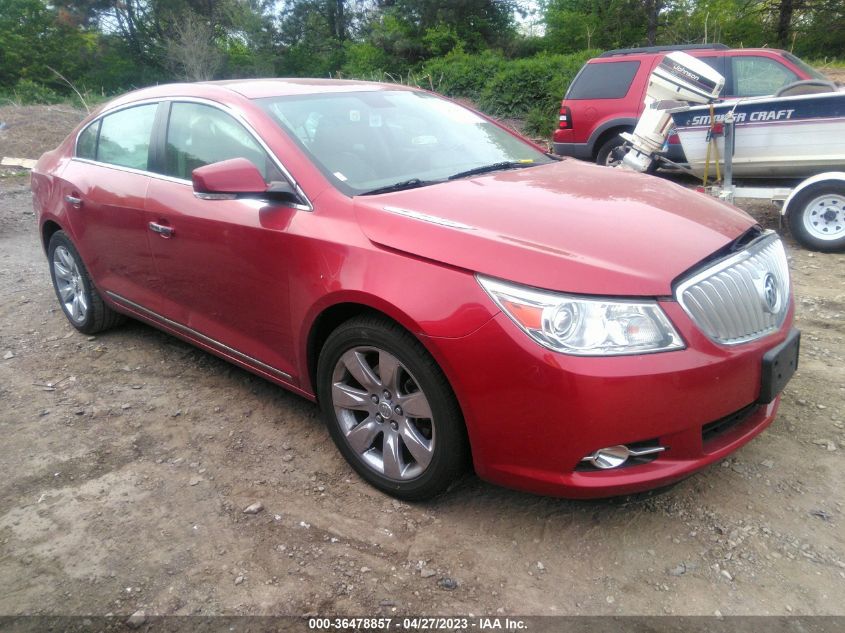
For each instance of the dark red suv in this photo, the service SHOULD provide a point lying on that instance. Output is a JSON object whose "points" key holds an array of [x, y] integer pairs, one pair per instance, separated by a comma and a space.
{"points": [[606, 97]]}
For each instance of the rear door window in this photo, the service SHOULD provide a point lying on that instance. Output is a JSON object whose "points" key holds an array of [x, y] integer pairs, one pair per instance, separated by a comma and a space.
{"points": [[608, 80], [756, 76], [125, 137]]}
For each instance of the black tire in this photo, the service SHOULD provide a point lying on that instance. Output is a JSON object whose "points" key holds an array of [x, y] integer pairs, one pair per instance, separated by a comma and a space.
{"points": [[97, 316], [448, 435], [603, 157], [810, 208]]}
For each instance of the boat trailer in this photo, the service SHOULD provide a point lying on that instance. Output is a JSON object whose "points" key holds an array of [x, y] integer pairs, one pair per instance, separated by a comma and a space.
{"points": [[814, 208]]}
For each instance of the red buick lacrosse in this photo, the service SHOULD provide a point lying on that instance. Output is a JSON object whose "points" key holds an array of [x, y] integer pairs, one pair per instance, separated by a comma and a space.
{"points": [[445, 290]]}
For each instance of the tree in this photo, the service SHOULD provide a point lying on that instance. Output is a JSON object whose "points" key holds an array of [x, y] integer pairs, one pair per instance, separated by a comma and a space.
{"points": [[33, 39], [192, 51], [573, 25], [652, 10]]}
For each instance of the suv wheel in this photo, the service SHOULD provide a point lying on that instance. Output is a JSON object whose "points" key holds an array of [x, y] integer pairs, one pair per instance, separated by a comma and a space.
{"points": [[390, 409], [606, 155]]}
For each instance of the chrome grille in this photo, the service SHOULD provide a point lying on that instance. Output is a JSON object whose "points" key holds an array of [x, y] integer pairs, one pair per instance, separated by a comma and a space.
{"points": [[742, 297]]}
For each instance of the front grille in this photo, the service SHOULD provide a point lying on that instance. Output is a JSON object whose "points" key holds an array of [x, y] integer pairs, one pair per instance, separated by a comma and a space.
{"points": [[712, 430], [742, 297]]}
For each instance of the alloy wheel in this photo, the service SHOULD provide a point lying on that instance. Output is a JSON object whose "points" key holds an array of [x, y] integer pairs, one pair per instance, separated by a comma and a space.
{"points": [[70, 285], [383, 414]]}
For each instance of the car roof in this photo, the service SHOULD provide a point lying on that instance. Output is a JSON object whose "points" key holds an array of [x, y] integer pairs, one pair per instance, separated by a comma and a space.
{"points": [[232, 90], [623, 54], [663, 49], [258, 88]]}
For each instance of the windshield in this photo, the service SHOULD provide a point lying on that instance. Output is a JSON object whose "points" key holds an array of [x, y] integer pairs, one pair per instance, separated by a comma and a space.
{"points": [[805, 66], [368, 141]]}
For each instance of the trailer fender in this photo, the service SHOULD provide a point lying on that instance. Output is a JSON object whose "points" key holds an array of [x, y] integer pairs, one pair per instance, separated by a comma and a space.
{"points": [[832, 176]]}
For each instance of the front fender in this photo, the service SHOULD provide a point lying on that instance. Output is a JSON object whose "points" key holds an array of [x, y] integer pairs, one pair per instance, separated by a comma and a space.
{"points": [[445, 302]]}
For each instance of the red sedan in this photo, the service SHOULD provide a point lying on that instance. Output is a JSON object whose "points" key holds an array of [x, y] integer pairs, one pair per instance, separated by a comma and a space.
{"points": [[442, 287]]}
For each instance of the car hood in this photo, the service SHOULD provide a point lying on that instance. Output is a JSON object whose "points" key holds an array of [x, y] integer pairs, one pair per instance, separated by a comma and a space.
{"points": [[567, 226]]}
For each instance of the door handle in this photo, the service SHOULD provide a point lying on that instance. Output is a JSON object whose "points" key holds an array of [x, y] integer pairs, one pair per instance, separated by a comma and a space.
{"points": [[77, 202], [164, 231]]}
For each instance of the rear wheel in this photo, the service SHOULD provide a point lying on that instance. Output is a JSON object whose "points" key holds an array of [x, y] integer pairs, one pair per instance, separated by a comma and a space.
{"points": [[607, 154], [817, 217], [390, 409], [82, 304]]}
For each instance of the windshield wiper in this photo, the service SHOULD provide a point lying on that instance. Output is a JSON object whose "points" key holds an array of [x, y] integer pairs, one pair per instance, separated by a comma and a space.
{"points": [[413, 183], [506, 164]]}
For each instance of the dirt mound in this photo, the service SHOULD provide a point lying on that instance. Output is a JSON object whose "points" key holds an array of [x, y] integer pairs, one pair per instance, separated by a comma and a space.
{"points": [[835, 74], [29, 131]]}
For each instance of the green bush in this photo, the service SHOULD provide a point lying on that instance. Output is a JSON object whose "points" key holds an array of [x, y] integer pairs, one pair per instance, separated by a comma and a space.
{"points": [[364, 60], [540, 121], [460, 74], [441, 40], [529, 88], [27, 92], [523, 85]]}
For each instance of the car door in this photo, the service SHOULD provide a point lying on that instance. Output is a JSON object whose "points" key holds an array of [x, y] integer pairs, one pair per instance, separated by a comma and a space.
{"points": [[222, 265], [105, 187], [758, 75]]}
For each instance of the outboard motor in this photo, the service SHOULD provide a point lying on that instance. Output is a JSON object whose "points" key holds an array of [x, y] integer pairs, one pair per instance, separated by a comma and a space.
{"points": [[678, 80]]}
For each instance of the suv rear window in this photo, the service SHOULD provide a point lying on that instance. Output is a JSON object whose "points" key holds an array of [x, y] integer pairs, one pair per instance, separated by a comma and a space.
{"points": [[609, 80]]}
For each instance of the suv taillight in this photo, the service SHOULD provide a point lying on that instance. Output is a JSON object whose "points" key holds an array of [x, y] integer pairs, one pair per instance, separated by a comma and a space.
{"points": [[565, 121]]}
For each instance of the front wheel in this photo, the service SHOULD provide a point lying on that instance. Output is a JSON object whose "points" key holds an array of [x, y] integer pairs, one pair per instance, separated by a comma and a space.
{"points": [[390, 410], [817, 217]]}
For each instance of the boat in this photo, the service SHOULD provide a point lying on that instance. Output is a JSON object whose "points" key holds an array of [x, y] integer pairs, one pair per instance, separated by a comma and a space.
{"points": [[782, 136]]}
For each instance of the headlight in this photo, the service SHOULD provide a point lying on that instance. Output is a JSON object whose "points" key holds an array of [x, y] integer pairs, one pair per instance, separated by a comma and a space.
{"points": [[585, 326]]}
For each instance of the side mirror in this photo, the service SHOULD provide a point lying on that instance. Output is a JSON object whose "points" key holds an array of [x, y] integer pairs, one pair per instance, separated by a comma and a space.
{"points": [[238, 177], [227, 178]]}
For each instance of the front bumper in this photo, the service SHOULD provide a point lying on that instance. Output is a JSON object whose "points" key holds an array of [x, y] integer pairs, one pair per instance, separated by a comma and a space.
{"points": [[533, 414]]}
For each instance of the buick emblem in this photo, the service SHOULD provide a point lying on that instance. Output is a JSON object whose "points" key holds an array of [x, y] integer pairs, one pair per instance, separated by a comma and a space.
{"points": [[770, 294]]}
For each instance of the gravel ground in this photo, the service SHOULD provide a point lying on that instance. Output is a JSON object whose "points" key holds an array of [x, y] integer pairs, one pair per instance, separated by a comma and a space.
{"points": [[130, 457]]}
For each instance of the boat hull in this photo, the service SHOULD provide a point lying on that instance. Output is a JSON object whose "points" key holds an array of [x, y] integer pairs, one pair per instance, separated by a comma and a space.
{"points": [[776, 137]]}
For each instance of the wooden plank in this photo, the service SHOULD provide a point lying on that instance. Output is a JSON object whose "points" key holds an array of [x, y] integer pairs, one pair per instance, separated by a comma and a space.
{"points": [[26, 163]]}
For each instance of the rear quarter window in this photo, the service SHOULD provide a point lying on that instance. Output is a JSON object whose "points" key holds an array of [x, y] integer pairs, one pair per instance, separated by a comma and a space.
{"points": [[86, 145], [610, 80], [125, 137]]}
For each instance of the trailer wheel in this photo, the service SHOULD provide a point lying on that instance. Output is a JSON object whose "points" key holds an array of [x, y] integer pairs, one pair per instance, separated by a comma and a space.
{"points": [[817, 217]]}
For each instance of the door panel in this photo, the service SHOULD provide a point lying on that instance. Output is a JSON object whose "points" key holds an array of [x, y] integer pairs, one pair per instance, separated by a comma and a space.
{"points": [[105, 199], [223, 271], [110, 227]]}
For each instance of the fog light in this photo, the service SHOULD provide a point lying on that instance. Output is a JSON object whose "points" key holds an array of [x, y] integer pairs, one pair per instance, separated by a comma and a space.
{"points": [[616, 456]]}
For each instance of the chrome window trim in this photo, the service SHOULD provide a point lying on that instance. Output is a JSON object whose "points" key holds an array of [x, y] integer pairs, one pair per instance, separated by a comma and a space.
{"points": [[131, 170], [308, 206], [192, 332]]}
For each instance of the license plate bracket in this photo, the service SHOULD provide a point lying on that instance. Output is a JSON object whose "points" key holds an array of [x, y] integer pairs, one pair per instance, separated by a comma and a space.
{"points": [[779, 364]]}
